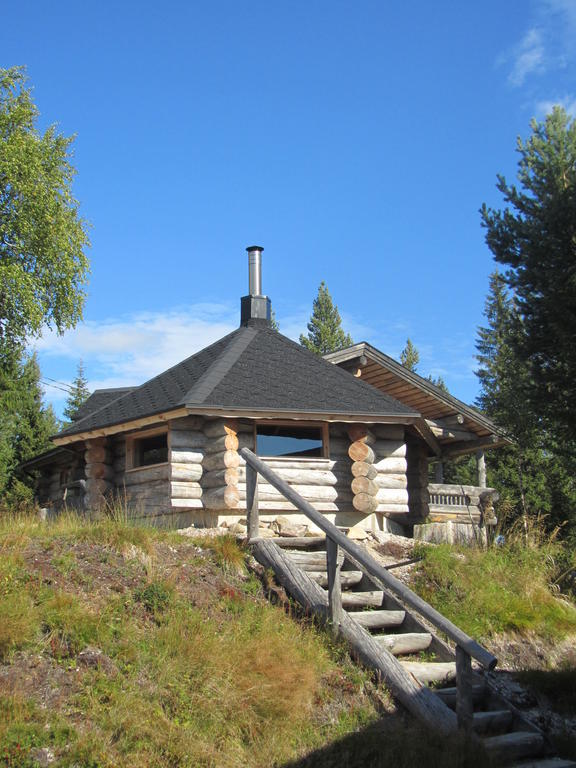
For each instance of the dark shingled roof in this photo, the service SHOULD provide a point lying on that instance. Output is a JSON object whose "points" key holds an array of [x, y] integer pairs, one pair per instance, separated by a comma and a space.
{"points": [[254, 368], [98, 399]]}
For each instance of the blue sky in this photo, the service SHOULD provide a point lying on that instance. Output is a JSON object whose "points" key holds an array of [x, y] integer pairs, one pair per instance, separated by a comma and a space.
{"points": [[355, 141]]}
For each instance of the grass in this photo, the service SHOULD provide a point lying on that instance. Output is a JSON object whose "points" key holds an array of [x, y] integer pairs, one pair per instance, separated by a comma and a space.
{"points": [[188, 664], [486, 592]]}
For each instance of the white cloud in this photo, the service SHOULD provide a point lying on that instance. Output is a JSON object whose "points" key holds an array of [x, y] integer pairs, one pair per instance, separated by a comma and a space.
{"points": [[544, 107], [130, 350], [527, 57]]}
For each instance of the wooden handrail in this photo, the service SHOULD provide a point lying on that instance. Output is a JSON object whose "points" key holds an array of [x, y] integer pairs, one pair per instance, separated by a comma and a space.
{"points": [[366, 561]]}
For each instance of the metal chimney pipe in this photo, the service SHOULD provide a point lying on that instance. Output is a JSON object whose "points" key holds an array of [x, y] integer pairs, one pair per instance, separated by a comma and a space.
{"points": [[255, 269]]}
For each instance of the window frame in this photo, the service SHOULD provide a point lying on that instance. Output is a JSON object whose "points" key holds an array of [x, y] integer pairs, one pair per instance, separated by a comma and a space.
{"points": [[323, 426], [131, 452]]}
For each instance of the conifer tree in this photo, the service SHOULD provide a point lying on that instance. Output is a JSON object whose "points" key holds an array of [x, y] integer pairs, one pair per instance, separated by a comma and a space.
{"points": [[410, 357], [26, 425], [79, 393], [534, 237], [325, 333]]}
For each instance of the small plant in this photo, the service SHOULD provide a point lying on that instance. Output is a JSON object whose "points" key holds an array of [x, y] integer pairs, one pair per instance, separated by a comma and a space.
{"points": [[156, 597]]}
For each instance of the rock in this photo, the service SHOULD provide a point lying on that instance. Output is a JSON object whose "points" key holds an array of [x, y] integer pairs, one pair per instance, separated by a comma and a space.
{"points": [[357, 533], [237, 529], [94, 658], [43, 756], [266, 533], [284, 527]]}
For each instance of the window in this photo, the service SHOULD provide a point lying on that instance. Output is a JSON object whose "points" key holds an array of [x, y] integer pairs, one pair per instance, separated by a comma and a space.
{"points": [[288, 440], [147, 450]]}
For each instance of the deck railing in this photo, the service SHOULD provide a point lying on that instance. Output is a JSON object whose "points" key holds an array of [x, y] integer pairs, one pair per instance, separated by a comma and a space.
{"points": [[336, 544], [467, 502]]}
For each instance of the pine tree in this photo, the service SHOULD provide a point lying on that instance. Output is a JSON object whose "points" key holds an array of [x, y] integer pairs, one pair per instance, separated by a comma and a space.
{"points": [[26, 425], [325, 333], [531, 475], [410, 357], [534, 237], [79, 393]]}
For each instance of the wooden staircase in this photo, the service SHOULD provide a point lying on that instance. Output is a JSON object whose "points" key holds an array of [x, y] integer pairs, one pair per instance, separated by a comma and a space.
{"points": [[395, 632]]}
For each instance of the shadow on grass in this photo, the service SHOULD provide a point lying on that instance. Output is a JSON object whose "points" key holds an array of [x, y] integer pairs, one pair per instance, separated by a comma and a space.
{"points": [[398, 745]]}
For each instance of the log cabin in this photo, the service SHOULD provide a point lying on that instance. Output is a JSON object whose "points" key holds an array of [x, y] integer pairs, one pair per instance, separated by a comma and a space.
{"points": [[354, 433]]}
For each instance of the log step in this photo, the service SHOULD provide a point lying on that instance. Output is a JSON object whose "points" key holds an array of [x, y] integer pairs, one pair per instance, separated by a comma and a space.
{"points": [[309, 561], [448, 695], [298, 542], [347, 578], [492, 722], [372, 598], [407, 642], [378, 619], [514, 746], [431, 671]]}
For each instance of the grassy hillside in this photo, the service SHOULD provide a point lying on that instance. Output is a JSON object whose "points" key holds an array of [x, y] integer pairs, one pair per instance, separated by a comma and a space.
{"points": [[122, 646]]}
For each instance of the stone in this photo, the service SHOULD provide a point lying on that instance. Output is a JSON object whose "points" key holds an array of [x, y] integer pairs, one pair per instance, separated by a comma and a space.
{"points": [[357, 533], [43, 756], [284, 527], [237, 529]]}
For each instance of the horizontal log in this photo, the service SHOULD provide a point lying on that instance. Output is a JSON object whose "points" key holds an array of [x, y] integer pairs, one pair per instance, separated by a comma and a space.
{"points": [[278, 464], [386, 508], [390, 480], [184, 456], [185, 491], [187, 424], [221, 498], [388, 431], [405, 643], [287, 506], [146, 474], [221, 477], [431, 671], [364, 502], [183, 472], [187, 440], [312, 493], [359, 451], [303, 476], [379, 619], [222, 460], [186, 504], [219, 427], [222, 443], [347, 578], [392, 496], [391, 464], [364, 485], [393, 448], [362, 469]]}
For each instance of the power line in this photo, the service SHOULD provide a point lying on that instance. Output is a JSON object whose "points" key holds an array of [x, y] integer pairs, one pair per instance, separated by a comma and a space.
{"points": [[69, 387], [54, 386]]}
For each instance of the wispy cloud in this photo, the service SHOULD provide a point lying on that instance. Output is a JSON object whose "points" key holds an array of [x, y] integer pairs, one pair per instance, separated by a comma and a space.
{"points": [[527, 57], [545, 106]]}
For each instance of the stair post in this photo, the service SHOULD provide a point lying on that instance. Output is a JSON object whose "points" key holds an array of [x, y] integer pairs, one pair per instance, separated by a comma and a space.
{"points": [[252, 512], [334, 560], [464, 697]]}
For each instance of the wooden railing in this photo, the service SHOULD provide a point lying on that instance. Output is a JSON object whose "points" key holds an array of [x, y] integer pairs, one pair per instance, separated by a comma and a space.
{"points": [[465, 501], [336, 545]]}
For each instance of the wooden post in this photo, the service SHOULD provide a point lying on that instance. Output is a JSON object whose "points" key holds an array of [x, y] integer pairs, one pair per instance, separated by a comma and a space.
{"points": [[481, 467], [334, 560], [464, 700], [439, 472], [252, 502]]}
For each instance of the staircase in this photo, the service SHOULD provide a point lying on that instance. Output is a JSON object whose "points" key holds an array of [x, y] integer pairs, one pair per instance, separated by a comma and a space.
{"points": [[392, 630]]}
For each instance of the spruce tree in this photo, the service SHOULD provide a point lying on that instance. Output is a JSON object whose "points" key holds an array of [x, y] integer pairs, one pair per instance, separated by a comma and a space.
{"points": [[410, 357], [26, 425], [79, 393], [325, 333], [535, 238]]}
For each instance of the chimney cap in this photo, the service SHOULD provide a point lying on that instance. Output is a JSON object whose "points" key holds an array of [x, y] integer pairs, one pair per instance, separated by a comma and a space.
{"points": [[254, 248]]}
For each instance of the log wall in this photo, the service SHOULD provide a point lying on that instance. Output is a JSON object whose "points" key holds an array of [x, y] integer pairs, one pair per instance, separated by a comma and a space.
{"points": [[62, 484], [417, 475]]}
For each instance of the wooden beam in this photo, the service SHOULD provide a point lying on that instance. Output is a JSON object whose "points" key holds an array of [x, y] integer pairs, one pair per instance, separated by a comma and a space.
{"points": [[124, 427], [458, 449], [425, 431]]}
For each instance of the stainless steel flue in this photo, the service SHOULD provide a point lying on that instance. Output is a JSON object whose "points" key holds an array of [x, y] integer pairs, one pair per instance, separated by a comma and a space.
{"points": [[255, 269]]}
